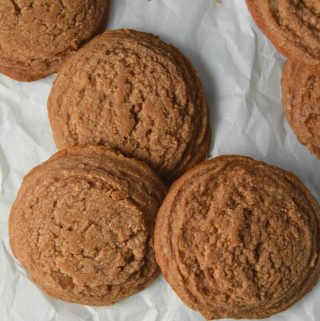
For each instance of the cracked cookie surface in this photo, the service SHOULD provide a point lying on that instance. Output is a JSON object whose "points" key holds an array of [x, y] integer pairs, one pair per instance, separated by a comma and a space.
{"points": [[36, 36], [301, 103], [293, 26], [131, 91], [82, 225], [237, 238]]}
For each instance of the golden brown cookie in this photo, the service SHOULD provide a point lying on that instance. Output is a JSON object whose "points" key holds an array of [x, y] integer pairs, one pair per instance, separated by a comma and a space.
{"points": [[37, 36], [131, 91], [293, 26], [301, 103], [237, 238], [82, 225]]}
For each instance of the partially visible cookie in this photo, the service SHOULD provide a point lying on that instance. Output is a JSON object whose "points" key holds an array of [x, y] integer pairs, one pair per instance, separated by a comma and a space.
{"points": [[293, 26], [237, 238], [131, 91], [301, 103], [82, 225], [37, 36]]}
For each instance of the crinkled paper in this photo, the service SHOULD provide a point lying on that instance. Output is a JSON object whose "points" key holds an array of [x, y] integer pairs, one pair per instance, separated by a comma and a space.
{"points": [[241, 73]]}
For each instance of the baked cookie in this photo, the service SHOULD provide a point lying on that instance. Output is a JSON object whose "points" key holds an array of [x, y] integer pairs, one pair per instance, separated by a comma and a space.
{"points": [[237, 238], [301, 103], [37, 36], [82, 225], [292, 26], [130, 91]]}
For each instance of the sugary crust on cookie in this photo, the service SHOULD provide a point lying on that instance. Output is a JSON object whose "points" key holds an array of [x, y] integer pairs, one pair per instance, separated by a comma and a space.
{"points": [[37, 36], [237, 238], [82, 225], [301, 103], [131, 91], [292, 26]]}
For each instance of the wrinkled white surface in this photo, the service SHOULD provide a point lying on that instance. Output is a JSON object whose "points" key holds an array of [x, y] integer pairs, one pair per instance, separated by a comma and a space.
{"points": [[241, 73]]}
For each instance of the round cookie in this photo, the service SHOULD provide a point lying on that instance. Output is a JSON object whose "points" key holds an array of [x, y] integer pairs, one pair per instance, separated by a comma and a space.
{"points": [[237, 238], [131, 91], [301, 103], [292, 26], [82, 225], [37, 36]]}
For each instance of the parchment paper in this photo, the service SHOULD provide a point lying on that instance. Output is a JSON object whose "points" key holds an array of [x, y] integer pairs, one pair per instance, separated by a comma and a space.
{"points": [[241, 73]]}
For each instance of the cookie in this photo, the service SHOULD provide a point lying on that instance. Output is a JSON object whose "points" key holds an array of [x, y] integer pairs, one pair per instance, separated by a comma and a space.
{"points": [[82, 225], [292, 26], [237, 238], [301, 103], [131, 91], [37, 36]]}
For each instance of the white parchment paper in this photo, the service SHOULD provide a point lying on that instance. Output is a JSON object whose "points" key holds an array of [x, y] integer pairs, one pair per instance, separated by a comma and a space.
{"points": [[241, 73]]}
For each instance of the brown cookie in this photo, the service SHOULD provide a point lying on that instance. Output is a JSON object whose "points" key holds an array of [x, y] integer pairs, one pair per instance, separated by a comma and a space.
{"points": [[293, 26], [301, 103], [237, 238], [131, 91], [82, 225], [37, 36]]}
